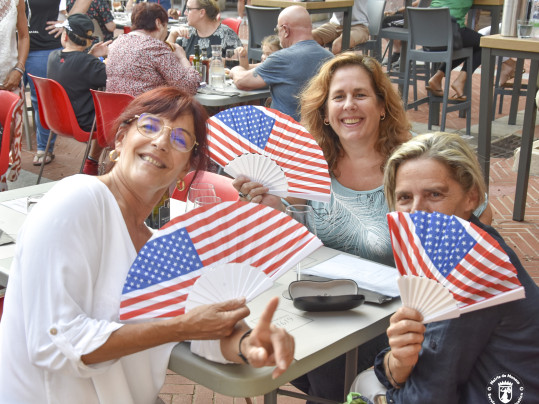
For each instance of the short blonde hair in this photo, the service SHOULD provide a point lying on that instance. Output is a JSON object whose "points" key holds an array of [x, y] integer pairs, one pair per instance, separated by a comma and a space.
{"points": [[394, 129], [447, 148]]}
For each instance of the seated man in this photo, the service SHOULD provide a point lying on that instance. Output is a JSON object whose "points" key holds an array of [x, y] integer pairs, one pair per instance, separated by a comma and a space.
{"points": [[332, 31], [78, 72], [471, 358], [289, 69]]}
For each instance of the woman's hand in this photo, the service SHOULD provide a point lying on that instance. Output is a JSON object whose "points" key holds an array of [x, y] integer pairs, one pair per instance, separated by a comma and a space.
{"points": [[213, 321], [255, 192], [176, 33], [53, 28], [405, 333], [12, 81], [268, 345]]}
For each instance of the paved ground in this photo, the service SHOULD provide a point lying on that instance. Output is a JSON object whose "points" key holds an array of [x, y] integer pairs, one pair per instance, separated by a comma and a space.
{"points": [[523, 237]]}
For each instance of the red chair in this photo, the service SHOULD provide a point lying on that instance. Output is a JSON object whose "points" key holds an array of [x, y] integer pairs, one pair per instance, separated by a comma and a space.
{"points": [[233, 23], [223, 186], [56, 113], [108, 107], [8, 101]]}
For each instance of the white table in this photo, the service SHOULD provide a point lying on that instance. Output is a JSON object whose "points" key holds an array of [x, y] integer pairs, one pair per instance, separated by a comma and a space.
{"points": [[320, 337]]}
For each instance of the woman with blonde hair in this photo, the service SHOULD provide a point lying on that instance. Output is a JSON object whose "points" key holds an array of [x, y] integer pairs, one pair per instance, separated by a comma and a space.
{"points": [[205, 29]]}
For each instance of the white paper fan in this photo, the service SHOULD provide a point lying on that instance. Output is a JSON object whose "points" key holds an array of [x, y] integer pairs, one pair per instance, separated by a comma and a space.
{"points": [[428, 297], [167, 266], [268, 132], [259, 168], [225, 282]]}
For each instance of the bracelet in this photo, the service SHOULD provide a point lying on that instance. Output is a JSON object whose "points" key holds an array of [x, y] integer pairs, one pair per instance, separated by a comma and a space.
{"points": [[18, 69], [396, 383], [20, 64], [240, 354]]}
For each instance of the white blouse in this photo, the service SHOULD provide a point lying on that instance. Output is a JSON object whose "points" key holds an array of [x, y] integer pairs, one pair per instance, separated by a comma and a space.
{"points": [[62, 302]]}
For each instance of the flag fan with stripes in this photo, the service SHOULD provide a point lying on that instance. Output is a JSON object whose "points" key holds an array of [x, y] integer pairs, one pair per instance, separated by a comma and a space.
{"points": [[463, 258], [244, 132], [167, 266]]}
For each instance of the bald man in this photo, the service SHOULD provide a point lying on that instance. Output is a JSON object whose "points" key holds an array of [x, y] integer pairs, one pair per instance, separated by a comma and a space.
{"points": [[287, 70]]}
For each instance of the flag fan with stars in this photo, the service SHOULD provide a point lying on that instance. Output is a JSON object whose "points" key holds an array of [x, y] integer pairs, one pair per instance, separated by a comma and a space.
{"points": [[167, 266], [268, 133], [464, 259]]}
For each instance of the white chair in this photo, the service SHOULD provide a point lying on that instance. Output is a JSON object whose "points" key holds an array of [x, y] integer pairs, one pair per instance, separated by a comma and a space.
{"points": [[375, 14]]}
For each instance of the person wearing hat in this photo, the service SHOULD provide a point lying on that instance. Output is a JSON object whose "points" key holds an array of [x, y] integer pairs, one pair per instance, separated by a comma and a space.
{"points": [[79, 71]]}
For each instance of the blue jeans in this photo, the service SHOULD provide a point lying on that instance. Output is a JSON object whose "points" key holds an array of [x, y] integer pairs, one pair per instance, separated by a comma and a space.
{"points": [[36, 64]]}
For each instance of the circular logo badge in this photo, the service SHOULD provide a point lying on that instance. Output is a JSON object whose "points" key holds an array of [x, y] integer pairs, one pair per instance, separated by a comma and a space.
{"points": [[505, 388]]}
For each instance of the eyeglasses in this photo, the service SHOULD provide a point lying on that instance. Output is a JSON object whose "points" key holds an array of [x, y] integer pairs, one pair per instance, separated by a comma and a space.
{"points": [[187, 9], [277, 28], [152, 126]]}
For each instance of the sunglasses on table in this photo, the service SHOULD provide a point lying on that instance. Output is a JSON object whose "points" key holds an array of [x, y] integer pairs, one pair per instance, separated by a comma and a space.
{"points": [[152, 126]]}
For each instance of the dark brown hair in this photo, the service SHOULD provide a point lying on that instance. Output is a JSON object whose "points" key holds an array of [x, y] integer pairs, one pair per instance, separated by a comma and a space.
{"points": [[145, 14]]}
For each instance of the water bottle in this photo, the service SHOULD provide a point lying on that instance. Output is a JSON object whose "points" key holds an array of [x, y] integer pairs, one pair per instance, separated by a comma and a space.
{"points": [[217, 67]]}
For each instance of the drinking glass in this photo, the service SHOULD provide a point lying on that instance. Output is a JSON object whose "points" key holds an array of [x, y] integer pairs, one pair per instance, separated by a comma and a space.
{"points": [[206, 200], [305, 215], [524, 28], [198, 189], [231, 59]]}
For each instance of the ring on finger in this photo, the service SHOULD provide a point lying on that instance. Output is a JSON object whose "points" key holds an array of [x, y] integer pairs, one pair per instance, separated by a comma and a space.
{"points": [[248, 197], [242, 195]]}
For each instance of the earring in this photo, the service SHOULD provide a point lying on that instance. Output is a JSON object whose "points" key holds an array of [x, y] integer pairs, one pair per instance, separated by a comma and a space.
{"points": [[382, 117], [114, 155], [326, 122], [180, 185]]}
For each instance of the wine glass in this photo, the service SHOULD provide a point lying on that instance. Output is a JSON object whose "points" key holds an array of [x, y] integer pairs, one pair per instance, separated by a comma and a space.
{"points": [[206, 200], [196, 190], [305, 215]]}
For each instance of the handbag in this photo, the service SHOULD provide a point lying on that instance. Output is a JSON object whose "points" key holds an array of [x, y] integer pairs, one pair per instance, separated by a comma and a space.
{"points": [[457, 39]]}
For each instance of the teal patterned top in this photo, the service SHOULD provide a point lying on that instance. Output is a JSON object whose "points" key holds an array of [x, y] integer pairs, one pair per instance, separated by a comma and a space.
{"points": [[355, 222]]}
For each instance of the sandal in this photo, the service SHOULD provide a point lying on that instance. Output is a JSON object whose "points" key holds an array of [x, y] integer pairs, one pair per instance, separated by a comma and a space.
{"points": [[40, 155], [435, 92]]}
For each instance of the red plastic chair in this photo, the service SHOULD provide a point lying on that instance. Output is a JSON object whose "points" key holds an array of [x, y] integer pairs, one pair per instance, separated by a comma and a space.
{"points": [[8, 100], [223, 186], [108, 107], [56, 113], [233, 23]]}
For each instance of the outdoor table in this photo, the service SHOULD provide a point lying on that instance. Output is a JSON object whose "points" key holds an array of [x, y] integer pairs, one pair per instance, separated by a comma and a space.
{"points": [[320, 337], [497, 45], [317, 7]]}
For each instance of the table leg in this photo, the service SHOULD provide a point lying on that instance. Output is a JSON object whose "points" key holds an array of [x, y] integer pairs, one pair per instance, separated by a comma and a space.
{"points": [[485, 112], [515, 94], [495, 12], [350, 371], [530, 114], [271, 397]]}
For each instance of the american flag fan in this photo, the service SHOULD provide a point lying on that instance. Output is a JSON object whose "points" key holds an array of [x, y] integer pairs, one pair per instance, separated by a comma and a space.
{"points": [[460, 256], [168, 265], [269, 147]]}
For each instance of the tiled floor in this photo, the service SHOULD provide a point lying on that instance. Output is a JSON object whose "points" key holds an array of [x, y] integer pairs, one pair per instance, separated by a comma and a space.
{"points": [[523, 237]]}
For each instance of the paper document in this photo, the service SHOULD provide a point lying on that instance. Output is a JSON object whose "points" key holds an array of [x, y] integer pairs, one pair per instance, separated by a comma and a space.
{"points": [[367, 274]]}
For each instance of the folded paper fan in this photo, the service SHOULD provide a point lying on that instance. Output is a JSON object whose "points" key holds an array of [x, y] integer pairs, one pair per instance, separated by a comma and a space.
{"points": [[259, 130], [168, 265], [459, 255], [428, 297], [260, 169], [227, 281]]}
